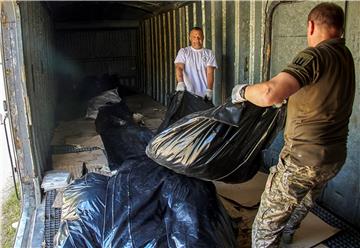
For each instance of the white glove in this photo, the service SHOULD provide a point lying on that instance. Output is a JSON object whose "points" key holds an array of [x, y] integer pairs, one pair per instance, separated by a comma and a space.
{"points": [[237, 94], [209, 94], [279, 105], [180, 86]]}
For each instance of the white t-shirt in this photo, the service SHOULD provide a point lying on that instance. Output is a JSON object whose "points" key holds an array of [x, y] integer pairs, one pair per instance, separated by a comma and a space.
{"points": [[196, 61]]}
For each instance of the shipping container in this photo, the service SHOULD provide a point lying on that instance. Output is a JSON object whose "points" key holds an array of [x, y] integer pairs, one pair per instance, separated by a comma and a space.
{"points": [[57, 54]]}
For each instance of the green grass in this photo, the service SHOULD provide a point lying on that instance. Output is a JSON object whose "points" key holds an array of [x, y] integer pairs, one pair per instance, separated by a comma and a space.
{"points": [[10, 214]]}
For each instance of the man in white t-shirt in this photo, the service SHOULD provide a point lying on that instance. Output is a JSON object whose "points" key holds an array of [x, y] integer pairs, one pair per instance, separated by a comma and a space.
{"points": [[195, 66]]}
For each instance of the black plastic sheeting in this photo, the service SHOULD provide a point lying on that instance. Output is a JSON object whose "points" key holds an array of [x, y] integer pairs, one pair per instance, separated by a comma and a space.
{"points": [[122, 138], [223, 143], [183, 103], [144, 204]]}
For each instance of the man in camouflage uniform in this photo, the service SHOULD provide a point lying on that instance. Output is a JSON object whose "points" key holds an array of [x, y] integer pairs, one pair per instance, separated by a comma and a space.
{"points": [[319, 85]]}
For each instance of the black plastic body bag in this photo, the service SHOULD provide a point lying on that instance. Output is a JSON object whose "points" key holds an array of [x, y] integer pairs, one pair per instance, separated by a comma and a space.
{"points": [[182, 103], [143, 204], [222, 143]]}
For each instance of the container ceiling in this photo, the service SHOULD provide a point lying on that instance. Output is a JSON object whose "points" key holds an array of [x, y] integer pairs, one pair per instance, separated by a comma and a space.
{"points": [[107, 10]]}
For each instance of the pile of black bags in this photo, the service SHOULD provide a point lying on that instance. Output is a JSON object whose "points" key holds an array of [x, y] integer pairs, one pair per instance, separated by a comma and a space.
{"points": [[143, 204]]}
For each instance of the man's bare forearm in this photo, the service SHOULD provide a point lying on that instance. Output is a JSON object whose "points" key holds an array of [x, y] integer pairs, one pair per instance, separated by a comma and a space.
{"points": [[179, 73], [273, 91], [210, 77]]}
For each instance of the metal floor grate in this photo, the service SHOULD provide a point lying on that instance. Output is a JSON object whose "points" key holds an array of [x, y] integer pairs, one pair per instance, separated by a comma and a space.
{"points": [[62, 149], [52, 219], [348, 237]]}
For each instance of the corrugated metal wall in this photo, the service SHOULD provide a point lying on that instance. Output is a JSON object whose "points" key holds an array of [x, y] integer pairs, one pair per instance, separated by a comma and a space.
{"points": [[95, 52], [38, 43], [226, 29]]}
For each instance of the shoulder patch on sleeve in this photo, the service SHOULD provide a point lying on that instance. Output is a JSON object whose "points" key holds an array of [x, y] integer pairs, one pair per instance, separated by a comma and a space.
{"points": [[303, 59]]}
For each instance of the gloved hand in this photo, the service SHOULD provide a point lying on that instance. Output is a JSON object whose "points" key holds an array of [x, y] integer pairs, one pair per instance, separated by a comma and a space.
{"points": [[237, 94], [279, 105], [209, 94], [180, 86]]}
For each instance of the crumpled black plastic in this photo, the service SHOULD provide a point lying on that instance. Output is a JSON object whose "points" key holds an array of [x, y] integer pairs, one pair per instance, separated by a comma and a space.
{"points": [[143, 204], [228, 113], [82, 212], [220, 144], [182, 103], [122, 138]]}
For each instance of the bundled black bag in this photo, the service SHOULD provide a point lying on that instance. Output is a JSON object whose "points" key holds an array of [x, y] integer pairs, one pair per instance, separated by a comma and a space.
{"points": [[183, 103], [221, 144], [143, 205], [82, 212], [122, 138]]}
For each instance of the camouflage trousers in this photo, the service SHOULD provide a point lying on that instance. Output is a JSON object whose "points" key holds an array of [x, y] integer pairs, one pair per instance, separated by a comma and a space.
{"points": [[289, 194]]}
